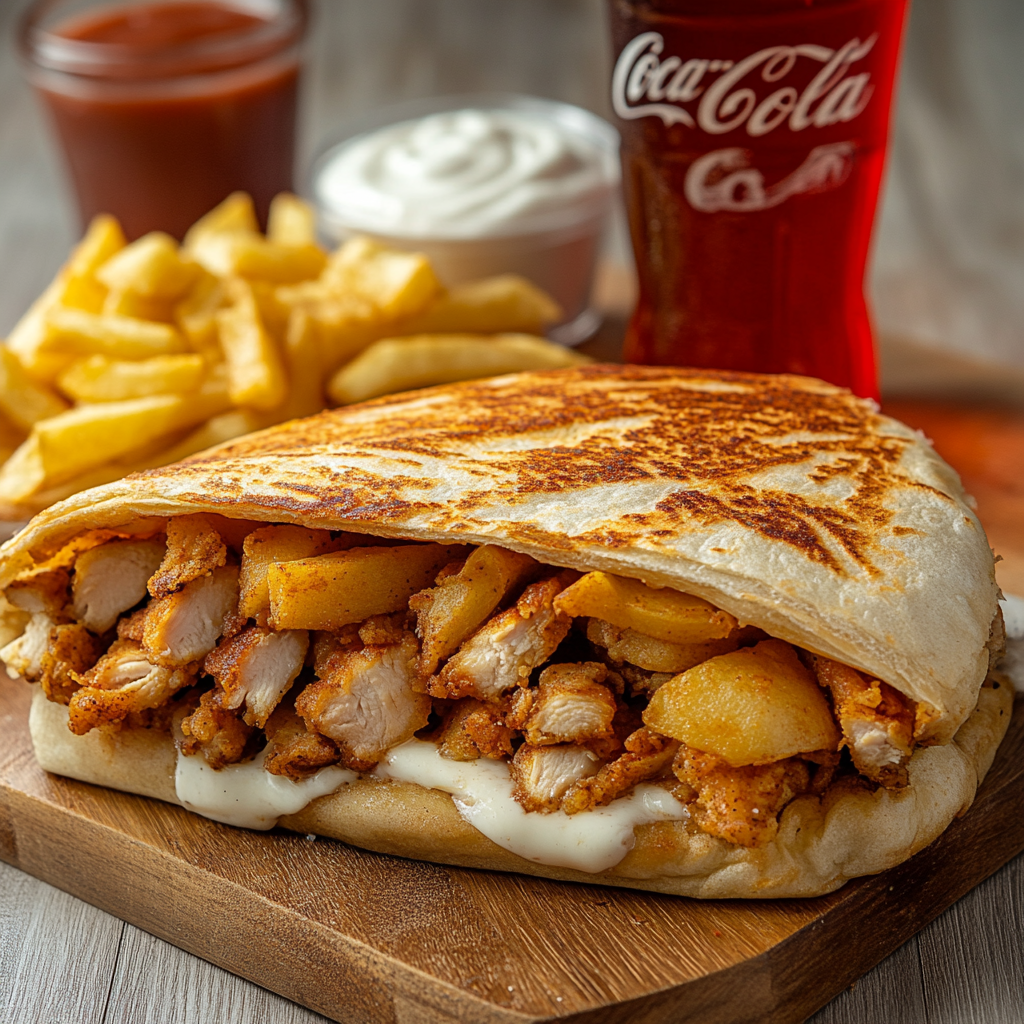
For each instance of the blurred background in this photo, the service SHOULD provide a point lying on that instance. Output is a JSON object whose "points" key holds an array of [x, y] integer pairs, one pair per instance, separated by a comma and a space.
{"points": [[948, 270]]}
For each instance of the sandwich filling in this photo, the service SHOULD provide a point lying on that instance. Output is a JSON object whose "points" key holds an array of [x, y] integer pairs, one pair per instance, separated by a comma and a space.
{"points": [[548, 702]]}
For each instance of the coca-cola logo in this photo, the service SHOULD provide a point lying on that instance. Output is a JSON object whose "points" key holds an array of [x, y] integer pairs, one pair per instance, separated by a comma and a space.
{"points": [[644, 85], [724, 179]]}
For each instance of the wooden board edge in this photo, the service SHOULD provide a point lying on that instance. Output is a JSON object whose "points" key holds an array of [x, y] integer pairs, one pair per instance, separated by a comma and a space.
{"points": [[280, 950]]}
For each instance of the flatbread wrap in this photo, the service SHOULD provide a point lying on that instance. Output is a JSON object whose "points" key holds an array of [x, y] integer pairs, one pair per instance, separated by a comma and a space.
{"points": [[711, 634]]}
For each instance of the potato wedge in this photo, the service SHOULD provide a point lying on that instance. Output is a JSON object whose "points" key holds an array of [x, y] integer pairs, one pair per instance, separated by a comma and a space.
{"points": [[396, 284], [402, 364], [150, 267], [655, 655], [101, 379], [256, 372], [664, 614], [334, 590], [451, 612], [291, 221], [90, 435], [25, 401], [507, 304], [270, 545], [75, 332], [753, 706]]}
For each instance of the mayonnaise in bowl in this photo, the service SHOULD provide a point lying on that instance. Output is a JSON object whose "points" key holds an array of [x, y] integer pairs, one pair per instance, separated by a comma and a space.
{"points": [[509, 184]]}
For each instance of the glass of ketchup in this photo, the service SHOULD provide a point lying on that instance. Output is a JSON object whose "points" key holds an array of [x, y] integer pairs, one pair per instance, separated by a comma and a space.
{"points": [[164, 107]]}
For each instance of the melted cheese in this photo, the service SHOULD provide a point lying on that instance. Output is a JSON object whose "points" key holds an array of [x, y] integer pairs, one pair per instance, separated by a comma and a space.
{"points": [[482, 791], [245, 794]]}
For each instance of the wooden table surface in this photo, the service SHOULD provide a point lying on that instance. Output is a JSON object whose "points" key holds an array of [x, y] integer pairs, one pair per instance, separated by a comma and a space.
{"points": [[64, 962]]}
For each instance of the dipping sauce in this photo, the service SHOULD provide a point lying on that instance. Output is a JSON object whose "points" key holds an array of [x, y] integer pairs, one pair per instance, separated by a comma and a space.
{"points": [[516, 185], [164, 108]]}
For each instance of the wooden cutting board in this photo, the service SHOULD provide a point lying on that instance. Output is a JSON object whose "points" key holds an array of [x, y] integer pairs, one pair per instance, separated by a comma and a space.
{"points": [[367, 938]]}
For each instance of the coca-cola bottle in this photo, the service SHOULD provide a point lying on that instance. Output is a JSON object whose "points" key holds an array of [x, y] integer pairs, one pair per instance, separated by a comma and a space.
{"points": [[754, 135]]}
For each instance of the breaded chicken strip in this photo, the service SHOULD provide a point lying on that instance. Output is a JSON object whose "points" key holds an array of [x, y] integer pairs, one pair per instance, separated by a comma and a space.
{"points": [[740, 805], [503, 652], [123, 681]]}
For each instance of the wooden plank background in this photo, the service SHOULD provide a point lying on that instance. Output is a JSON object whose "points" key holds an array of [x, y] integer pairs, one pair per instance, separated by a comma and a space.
{"points": [[62, 961]]}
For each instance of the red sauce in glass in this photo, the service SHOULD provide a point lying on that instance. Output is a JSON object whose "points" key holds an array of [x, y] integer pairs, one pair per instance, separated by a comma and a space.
{"points": [[172, 116]]}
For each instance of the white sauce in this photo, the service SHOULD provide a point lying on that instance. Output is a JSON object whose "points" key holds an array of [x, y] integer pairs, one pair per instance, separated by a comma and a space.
{"points": [[247, 795], [468, 174], [482, 790], [1013, 616]]}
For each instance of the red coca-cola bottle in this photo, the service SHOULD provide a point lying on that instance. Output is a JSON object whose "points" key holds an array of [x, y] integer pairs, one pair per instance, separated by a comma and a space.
{"points": [[754, 135]]}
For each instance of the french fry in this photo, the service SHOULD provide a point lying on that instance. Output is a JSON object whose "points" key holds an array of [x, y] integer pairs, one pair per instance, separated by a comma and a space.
{"points": [[305, 375], [90, 435], [664, 614], [139, 307], [506, 304], [334, 590], [255, 372], [265, 547], [397, 284], [73, 286], [236, 213], [240, 254], [77, 333], [402, 364], [291, 221], [196, 315], [101, 379], [150, 267], [102, 239], [25, 401]]}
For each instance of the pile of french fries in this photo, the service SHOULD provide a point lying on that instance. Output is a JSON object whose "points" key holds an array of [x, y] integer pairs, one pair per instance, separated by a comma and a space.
{"points": [[141, 354]]}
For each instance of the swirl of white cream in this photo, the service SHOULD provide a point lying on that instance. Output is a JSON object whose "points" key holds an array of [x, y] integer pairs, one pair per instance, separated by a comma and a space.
{"points": [[467, 174]]}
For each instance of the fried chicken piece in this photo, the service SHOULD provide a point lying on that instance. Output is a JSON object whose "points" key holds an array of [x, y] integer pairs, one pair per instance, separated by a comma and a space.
{"points": [[123, 681], [71, 651], [876, 720], [465, 595], [541, 776], [647, 756], [194, 550], [380, 630], [41, 590], [24, 655], [293, 751], [216, 732], [473, 730], [363, 698], [504, 652], [184, 627], [112, 578], [520, 703], [256, 668], [571, 706], [740, 805]]}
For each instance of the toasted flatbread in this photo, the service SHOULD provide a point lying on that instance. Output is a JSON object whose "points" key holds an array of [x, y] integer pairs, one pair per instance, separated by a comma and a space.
{"points": [[785, 501]]}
